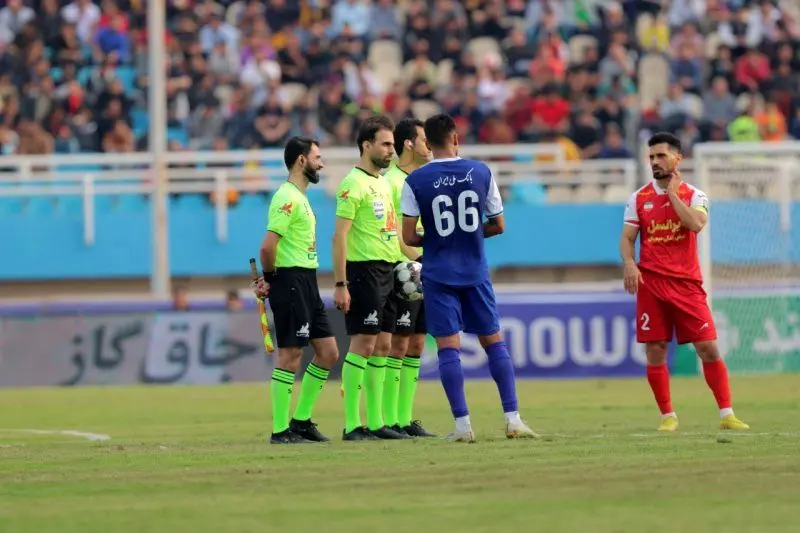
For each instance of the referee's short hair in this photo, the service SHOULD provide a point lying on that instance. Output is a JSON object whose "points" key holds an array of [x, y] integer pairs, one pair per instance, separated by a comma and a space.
{"points": [[405, 130], [438, 129], [295, 147], [370, 128]]}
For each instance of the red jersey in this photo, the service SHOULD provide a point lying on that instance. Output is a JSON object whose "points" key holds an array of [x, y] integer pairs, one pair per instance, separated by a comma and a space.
{"points": [[666, 246]]}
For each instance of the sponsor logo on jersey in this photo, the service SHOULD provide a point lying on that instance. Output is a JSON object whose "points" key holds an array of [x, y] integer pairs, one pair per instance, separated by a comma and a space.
{"points": [[378, 210], [286, 208]]}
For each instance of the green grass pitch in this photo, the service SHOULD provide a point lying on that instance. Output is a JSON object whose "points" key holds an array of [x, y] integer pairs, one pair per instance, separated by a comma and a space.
{"points": [[195, 459]]}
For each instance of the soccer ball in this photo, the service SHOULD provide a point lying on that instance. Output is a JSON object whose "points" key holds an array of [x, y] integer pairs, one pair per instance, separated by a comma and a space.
{"points": [[408, 280]]}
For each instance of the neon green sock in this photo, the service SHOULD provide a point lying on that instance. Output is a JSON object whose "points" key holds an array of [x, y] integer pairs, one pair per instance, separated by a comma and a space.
{"points": [[281, 393], [409, 376], [391, 390], [352, 379], [376, 373], [313, 381]]}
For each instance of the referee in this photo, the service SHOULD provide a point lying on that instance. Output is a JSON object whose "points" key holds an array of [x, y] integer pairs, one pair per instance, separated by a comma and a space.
{"points": [[364, 252], [289, 260]]}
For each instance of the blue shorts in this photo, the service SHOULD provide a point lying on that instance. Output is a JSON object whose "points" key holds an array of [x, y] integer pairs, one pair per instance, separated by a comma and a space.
{"points": [[450, 310]]}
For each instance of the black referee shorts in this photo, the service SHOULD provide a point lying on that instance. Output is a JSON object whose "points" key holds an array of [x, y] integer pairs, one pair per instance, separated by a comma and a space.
{"points": [[371, 283], [403, 317], [297, 308]]}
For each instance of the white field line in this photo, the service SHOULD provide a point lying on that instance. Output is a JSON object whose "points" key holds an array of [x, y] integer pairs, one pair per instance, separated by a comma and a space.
{"points": [[82, 434]]}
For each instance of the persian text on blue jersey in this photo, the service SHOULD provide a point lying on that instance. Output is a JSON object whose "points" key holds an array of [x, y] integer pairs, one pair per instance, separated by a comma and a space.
{"points": [[452, 196]]}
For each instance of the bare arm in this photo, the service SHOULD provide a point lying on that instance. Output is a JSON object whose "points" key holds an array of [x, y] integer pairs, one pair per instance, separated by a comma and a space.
{"points": [[343, 226], [627, 244], [269, 249], [691, 217], [494, 226], [410, 235], [410, 252]]}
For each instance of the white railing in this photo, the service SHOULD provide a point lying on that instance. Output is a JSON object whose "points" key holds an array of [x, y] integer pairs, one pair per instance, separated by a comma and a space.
{"points": [[90, 175]]}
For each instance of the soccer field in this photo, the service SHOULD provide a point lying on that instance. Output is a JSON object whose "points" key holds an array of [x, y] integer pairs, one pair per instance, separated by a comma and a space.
{"points": [[195, 459]]}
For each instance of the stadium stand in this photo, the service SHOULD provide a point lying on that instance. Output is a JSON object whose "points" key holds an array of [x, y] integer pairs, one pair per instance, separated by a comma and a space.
{"points": [[247, 74]]}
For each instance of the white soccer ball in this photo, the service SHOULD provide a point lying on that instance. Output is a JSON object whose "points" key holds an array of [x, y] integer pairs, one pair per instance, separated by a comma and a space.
{"points": [[408, 280]]}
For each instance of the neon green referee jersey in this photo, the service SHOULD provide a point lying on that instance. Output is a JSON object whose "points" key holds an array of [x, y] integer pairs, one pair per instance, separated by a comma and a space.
{"points": [[291, 217], [368, 201], [397, 178]]}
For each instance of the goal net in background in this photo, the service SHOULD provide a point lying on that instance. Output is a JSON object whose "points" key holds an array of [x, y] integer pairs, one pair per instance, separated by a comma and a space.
{"points": [[750, 251]]}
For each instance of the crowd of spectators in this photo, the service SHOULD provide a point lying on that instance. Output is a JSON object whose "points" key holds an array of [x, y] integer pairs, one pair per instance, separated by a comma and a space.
{"points": [[593, 75]]}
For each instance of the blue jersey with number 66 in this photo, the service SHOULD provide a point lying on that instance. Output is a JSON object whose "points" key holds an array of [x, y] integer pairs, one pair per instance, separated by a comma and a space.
{"points": [[452, 197]]}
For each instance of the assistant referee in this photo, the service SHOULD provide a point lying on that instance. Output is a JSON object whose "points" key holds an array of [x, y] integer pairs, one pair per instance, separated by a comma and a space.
{"points": [[289, 260], [364, 252]]}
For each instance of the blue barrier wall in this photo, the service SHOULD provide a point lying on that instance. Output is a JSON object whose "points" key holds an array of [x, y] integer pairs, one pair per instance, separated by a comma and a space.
{"points": [[43, 238]]}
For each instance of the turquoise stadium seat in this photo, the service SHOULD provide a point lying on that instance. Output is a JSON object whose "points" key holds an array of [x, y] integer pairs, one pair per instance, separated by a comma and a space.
{"points": [[178, 134], [57, 73], [141, 121], [84, 75], [532, 193], [253, 201], [523, 157], [127, 75]]}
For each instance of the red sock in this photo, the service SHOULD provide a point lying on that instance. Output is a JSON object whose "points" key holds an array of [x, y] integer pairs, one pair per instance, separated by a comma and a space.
{"points": [[716, 374], [658, 378]]}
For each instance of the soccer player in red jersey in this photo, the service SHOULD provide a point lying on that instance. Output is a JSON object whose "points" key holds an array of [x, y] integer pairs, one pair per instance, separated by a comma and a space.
{"points": [[668, 213]]}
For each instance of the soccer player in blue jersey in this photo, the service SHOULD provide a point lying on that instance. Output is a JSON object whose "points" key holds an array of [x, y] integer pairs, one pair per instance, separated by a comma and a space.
{"points": [[452, 196]]}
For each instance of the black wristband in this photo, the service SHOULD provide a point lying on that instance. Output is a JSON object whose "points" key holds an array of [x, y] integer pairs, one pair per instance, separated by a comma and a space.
{"points": [[268, 276], [341, 284]]}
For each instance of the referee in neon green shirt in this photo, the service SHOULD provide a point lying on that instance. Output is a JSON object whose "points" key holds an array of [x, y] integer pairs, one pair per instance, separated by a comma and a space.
{"points": [[364, 253], [289, 260]]}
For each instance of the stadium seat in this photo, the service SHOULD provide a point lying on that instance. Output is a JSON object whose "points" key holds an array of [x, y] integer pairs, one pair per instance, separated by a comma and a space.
{"points": [[141, 121], [384, 52], [423, 109], [483, 48], [588, 194], [559, 194], [578, 45], [57, 73], [178, 134], [713, 41], [653, 75], [616, 194], [69, 205], [84, 75], [126, 75], [528, 192], [292, 93], [695, 105], [444, 72]]}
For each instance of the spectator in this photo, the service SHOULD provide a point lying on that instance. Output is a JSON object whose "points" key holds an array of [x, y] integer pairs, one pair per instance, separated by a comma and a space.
{"points": [[719, 105], [12, 18], [771, 123], [614, 145]]}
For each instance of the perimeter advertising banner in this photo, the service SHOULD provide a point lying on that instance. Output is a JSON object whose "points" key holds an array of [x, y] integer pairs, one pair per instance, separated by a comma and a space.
{"points": [[549, 336]]}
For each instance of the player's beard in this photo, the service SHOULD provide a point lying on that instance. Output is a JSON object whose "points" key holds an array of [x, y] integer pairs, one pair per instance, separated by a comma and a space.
{"points": [[380, 162], [662, 173], [311, 174]]}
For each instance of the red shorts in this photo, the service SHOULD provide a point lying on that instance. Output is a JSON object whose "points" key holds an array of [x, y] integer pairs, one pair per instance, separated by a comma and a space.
{"points": [[664, 304]]}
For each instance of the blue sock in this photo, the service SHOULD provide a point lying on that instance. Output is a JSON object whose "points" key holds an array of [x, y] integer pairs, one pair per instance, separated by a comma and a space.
{"points": [[453, 381], [503, 374]]}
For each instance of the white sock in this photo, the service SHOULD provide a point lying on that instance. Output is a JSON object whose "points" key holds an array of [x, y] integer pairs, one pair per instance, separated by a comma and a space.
{"points": [[725, 412], [462, 424], [512, 416], [672, 414]]}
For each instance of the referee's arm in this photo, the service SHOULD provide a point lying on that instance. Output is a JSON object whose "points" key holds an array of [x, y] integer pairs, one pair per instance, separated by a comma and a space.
{"points": [[340, 233], [269, 249]]}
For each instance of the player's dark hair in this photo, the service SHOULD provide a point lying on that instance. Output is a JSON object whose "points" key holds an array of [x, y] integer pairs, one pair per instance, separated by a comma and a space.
{"points": [[370, 128], [438, 129], [295, 147], [665, 137], [405, 130]]}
